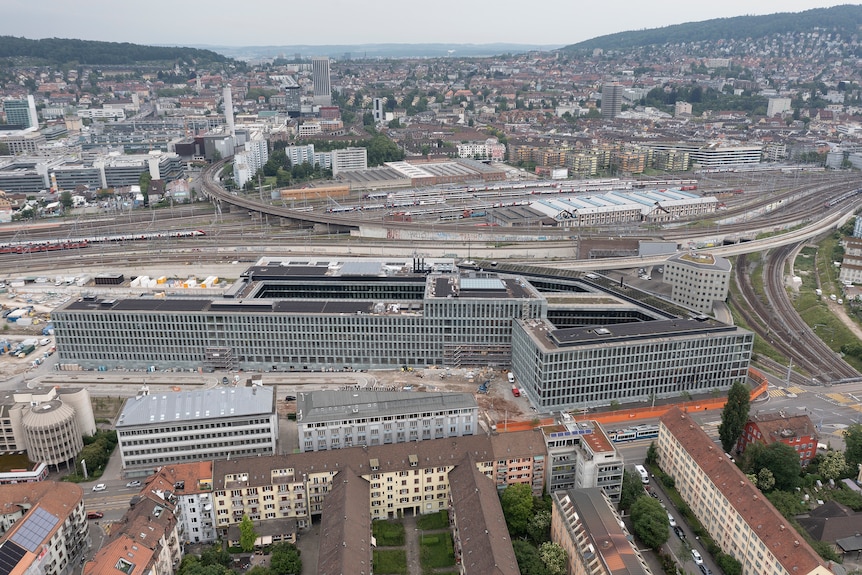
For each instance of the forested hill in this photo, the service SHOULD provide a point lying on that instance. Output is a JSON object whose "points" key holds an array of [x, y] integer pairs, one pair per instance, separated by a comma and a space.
{"points": [[91, 53], [844, 19]]}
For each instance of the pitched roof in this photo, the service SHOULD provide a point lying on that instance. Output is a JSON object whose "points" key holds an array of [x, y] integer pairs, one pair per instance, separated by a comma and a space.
{"points": [[775, 426], [788, 546], [482, 533], [122, 556], [345, 529]]}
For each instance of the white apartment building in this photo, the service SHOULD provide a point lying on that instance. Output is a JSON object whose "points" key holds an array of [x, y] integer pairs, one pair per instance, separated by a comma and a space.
{"points": [[738, 517], [851, 264], [102, 113], [248, 162], [159, 429], [349, 159], [580, 456], [191, 485], [336, 419], [491, 149], [697, 279]]}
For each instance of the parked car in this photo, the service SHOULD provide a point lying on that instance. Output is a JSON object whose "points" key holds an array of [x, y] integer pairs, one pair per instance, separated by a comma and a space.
{"points": [[100, 487], [671, 520], [704, 569], [134, 483], [695, 554], [290, 398], [95, 515], [679, 532]]}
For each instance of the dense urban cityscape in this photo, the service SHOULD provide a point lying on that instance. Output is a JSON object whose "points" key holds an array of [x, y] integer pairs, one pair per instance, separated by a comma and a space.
{"points": [[589, 310]]}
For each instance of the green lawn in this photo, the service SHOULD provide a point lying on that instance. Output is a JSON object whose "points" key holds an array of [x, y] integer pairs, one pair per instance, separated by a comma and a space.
{"points": [[390, 561], [436, 550], [388, 533], [439, 520]]}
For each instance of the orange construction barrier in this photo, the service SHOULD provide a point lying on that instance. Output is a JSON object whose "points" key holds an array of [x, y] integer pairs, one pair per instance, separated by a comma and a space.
{"points": [[638, 413]]}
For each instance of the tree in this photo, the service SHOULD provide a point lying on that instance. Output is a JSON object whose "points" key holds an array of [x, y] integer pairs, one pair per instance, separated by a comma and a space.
{"points": [[651, 454], [783, 461], [247, 534], [528, 558], [539, 527], [285, 559], [144, 182], [554, 558], [733, 416], [832, 465], [66, 199], [632, 489], [765, 480], [853, 443], [728, 564], [650, 521], [517, 504]]}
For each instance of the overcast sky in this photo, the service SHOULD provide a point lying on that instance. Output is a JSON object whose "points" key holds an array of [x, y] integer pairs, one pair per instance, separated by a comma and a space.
{"points": [[286, 22]]}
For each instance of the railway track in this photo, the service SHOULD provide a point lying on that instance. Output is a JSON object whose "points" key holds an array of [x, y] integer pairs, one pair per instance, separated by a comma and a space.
{"points": [[777, 321]]}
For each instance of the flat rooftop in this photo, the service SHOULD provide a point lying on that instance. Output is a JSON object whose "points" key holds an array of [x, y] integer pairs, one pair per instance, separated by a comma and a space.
{"points": [[551, 338], [318, 406], [217, 403]]}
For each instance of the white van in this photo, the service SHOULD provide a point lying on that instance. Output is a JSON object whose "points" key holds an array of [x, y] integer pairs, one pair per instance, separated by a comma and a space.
{"points": [[511, 377], [45, 341]]}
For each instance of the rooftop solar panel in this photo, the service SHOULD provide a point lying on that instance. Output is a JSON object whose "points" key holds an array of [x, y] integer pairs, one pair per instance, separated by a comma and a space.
{"points": [[34, 529], [10, 554]]}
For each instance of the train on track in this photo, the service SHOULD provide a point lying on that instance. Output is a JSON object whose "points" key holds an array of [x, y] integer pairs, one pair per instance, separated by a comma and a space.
{"points": [[634, 433], [35, 246], [845, 196]]}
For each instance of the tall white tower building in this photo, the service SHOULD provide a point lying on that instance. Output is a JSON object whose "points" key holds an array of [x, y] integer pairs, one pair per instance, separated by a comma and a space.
{"points": [[228, 110], [320, 78]]}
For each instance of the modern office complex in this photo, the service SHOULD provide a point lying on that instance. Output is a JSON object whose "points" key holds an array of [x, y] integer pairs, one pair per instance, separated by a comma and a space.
{"points": [[336, 419], [697, 279], [585, 523], [299, 314], [21, 113], [155, 430], [738, 517], [320, 79], [43, 528]]}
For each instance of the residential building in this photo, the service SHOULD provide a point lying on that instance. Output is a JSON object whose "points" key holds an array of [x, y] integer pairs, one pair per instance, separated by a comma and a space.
{"points": [[797, 431], [580, 456], [349, 159], [712, 156], [378, 109], [336, 419], [491, 149], [320, 80], [851, 263], [26, 141], [697, 279], [345, 528], [612, 100], [777, 106], [404, 478], [585, 523], [741, 521], [177, 427], [145, 541], [191, 486], [21, 113], [43, 528], [681, 109], [253, 157], [481, 537]]}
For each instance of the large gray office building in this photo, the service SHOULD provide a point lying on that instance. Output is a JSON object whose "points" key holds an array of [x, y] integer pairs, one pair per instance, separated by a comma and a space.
{"points": [[178, 427], [301, 314]]}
